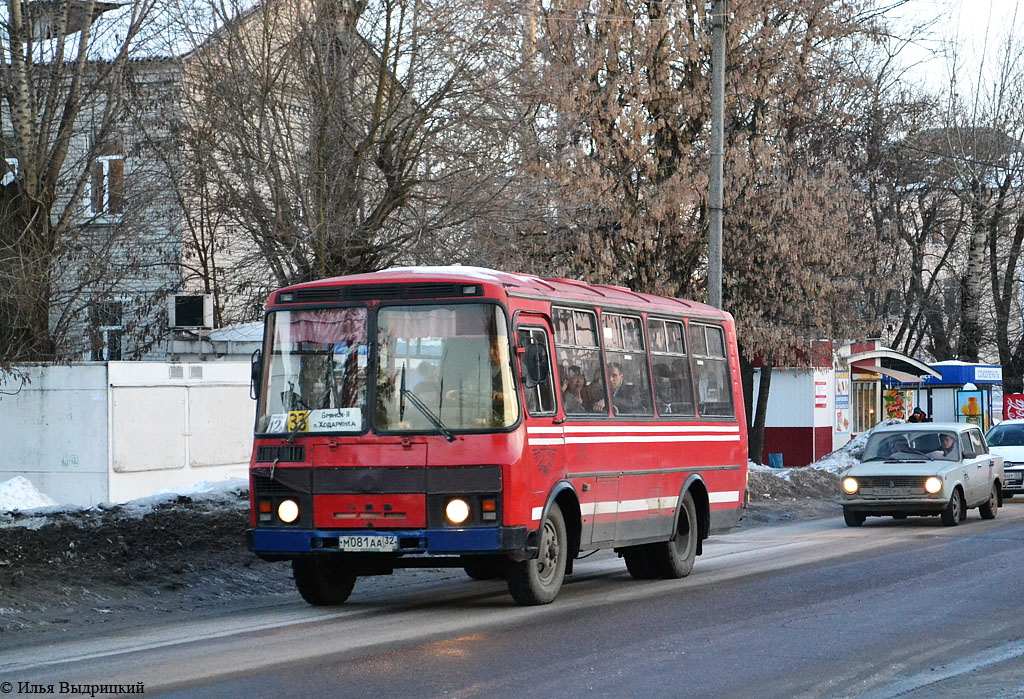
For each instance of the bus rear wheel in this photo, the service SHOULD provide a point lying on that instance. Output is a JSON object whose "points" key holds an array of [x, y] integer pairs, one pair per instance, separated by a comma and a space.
{"points": [[638, 562], [674, 558], [538, 580], [323, 581]]}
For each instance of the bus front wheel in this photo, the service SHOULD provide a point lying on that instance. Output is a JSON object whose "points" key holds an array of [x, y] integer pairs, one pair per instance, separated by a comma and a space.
{"points": [[323, 581], [538, 580]]}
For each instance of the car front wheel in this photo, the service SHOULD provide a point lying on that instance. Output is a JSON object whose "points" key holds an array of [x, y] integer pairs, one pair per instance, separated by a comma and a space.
{"points": [[953, 513], [853, 519], [988, 510]]}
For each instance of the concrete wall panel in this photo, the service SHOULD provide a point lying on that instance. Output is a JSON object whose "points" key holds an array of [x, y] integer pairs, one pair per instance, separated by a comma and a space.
{"points": [[148, 428], [220, 425]]}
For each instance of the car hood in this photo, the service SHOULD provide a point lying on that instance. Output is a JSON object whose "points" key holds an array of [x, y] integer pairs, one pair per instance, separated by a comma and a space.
{"points": [[1015, 454], [903, 468]]}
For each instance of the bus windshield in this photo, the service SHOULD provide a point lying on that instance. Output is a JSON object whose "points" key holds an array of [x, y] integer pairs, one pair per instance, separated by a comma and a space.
{"points": [[316, 374], [453, 359]]}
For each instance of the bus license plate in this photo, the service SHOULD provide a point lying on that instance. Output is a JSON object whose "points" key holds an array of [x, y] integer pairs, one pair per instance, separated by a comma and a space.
{"points": [[368, 543]]}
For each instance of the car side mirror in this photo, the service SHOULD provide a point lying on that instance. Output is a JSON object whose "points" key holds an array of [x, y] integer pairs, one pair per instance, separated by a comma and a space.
{"points": [[255, 374], [535, 365]]}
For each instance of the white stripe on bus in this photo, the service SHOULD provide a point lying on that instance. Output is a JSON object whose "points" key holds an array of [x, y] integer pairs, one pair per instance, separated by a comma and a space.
{"points": [[649, 428], [616, 506], [634, 439]]}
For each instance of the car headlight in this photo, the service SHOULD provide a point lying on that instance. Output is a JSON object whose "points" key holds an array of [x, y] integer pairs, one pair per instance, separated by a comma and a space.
{"points": [[457, 511], [288, 511], [933, 485], [850, 485]]}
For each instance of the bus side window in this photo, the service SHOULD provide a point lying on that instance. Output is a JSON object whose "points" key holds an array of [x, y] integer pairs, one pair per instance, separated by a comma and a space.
{"points": [[580, 376], [627, 357], [673, 389], [711, 370], [540, 399]]}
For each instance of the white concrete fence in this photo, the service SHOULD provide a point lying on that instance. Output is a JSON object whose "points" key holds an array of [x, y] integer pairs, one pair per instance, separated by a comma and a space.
{"points": [[110, 432]]}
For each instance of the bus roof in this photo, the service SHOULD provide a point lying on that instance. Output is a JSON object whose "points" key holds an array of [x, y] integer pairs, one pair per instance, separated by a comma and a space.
{"points": [[523, 285]]}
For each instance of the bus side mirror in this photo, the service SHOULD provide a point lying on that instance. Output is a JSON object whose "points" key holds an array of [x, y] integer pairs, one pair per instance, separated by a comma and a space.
{"points": [[256, 372], [536, 365]]}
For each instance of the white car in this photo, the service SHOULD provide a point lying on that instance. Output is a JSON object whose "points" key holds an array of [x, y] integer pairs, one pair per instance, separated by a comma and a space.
{"points": [[923, 469], [1007, 440]]}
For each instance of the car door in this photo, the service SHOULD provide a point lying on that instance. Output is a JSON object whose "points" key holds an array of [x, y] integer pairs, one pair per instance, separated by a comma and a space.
{"points": [[986, 464], [975, 463]]}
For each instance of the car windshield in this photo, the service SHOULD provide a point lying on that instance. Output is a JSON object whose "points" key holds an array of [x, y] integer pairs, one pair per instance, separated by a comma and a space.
{"points": [[1006, 436], [912, 446]]}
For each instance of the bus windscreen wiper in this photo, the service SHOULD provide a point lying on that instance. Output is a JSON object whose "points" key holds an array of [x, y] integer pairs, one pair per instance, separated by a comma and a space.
{"points": [[421, 406]]}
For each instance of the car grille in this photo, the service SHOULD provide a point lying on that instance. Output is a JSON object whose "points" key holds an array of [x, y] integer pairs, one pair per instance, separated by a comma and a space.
{"points": [[891, 486]]}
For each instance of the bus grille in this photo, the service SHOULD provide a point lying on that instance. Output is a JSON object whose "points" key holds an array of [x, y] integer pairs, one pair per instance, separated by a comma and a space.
{"points": [[271, 453], [263, 486]]}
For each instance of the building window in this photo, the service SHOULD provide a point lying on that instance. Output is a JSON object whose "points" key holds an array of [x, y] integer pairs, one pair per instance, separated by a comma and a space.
{"points": [[10, 173], [107, 329], [106, 183]]}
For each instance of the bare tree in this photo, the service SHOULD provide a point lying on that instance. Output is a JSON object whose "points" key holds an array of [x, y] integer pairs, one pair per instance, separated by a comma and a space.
{"points": [[344, 137], [64, 248]]}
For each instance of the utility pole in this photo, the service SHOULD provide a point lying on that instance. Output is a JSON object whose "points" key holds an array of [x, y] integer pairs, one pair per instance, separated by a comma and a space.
{"points": [[717, 152]]}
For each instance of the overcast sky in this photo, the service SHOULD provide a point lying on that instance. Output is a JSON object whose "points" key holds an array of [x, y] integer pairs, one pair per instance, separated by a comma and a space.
{"points": [[976, 26]]}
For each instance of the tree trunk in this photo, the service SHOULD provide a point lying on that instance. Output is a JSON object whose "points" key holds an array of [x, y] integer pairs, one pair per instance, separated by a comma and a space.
{"points": [[970, 332], [755, 439], [747, 382]]}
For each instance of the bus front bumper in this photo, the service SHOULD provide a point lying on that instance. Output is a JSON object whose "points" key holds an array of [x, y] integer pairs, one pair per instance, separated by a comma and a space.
{"points": [[280, 543]]}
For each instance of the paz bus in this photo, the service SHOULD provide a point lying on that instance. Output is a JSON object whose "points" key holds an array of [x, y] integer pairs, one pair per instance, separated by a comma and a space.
{"points": [[502, 423]]}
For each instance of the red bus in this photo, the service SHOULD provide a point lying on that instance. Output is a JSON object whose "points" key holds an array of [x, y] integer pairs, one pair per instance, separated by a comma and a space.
{"points": [[502, 423]]}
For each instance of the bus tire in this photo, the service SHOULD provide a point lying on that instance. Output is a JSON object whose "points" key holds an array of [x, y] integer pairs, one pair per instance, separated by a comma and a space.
{"points": [[538, 580], [322, 581], [674, 558], [485, 569], [638, 562]]}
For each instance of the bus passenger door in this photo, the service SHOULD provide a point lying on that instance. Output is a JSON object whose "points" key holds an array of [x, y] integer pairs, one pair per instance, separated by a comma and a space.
{"points": [[543, 461]]}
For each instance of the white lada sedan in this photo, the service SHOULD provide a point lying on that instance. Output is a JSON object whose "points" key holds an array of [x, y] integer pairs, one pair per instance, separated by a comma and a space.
{"points": [[923, 469]]}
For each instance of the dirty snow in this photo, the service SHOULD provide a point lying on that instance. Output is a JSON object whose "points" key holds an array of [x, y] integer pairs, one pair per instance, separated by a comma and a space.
{"points": [[19, 494]]}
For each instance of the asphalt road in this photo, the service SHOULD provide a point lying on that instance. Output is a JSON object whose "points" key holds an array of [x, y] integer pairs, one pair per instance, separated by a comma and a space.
{"points": [[811, 609]]}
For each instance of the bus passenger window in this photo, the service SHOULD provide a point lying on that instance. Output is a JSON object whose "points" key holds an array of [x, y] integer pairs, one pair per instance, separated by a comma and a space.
{"points": [[628, 378], [711, 371], [540, 399], [581, 379], [673, 389]]}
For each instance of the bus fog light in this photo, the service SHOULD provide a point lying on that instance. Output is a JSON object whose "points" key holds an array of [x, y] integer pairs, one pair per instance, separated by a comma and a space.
{"points": [[457, 511], [933, 485], [288, 511], [850, 485]]}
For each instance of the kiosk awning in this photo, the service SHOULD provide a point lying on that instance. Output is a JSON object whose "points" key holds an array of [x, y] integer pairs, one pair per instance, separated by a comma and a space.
{"points": [[892, 364]]}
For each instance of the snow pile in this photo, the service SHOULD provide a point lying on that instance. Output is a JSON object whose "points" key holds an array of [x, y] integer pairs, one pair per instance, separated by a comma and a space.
{"points": [[229, 490], [19, 494]]}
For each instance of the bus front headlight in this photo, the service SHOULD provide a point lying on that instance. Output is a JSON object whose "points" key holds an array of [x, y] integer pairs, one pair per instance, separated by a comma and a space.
{"points": [[457, 511], [288, 511]]}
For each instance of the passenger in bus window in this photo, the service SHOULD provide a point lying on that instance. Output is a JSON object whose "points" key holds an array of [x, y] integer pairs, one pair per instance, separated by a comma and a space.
{"points": [[623, 395], [572, 391]]}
